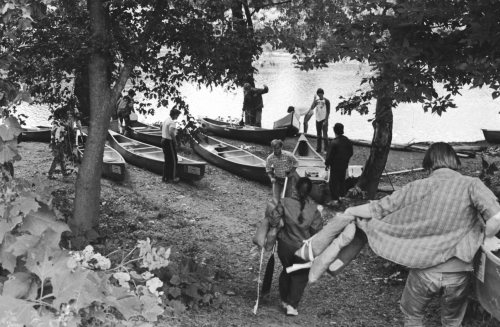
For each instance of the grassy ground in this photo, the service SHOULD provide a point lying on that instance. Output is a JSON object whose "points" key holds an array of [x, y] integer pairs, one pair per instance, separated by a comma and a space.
{"points": [[213, 221]]}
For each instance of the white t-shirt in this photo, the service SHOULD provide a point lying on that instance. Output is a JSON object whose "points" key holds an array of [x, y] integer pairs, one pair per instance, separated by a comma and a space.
{"points": [[168, 128], [320, 109]]}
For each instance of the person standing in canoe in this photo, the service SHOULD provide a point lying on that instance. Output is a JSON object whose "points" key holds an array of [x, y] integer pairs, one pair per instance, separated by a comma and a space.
{"points": [[253, 104], [301, 220], [279, 165], [434, 226], [320, 107], [124, 107], [337, 160], [169, 146]]}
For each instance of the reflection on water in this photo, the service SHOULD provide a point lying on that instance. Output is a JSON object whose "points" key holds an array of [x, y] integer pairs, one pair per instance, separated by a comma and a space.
{"points": [[288, 86]]}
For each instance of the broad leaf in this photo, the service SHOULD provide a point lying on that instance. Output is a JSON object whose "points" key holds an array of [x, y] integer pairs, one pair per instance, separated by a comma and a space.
{"points": [[45, 261], [22, 244], [24, 204], [37, 222], [8, 151], [90, 292], [151, 308], [21, 285], [7, 259], [129, 307], [4, 228], [67, 285], [13, 125], [15, 311]]}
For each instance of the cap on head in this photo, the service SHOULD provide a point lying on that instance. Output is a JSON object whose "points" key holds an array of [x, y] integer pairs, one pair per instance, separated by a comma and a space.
{"points": [[338, 129], [320, 90], [131, 92]]}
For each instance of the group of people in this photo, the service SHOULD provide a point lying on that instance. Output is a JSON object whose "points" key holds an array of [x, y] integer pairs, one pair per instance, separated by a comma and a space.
{"points": [[434, 226]]}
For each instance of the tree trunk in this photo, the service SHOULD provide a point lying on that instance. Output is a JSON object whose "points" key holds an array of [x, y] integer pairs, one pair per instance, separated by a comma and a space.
{"points": [[381, 143], [88, 182]]}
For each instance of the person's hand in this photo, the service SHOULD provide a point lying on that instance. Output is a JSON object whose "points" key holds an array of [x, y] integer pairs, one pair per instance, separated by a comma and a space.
{"points": [[491, 244]]}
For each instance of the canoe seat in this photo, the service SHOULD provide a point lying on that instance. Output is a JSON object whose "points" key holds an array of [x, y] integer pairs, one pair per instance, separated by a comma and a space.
{"points": [[245, 155], [127, 143], [230, 151], [149, 152], [309, 158]]}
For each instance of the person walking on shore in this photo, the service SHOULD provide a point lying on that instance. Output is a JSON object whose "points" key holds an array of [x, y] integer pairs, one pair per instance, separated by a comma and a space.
{"points": [[59, 142], [434, 226], [124, 107], [337, 161], [169, 146], [253, 104], [321, 107], [301, 220], [279, 165]]}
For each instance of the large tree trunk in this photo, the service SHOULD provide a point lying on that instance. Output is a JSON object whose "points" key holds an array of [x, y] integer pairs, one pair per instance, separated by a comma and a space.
{"points": [[381, 142], [88, 182]]}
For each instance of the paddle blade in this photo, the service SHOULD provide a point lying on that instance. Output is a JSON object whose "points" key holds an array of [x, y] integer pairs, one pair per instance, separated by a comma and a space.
{"points": [[268, 276], [255, 307]]}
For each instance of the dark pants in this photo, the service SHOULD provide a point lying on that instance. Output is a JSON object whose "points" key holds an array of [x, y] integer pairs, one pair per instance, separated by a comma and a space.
{"points": [[122, 117], [170, 165], [337, 183], [250, 117], [320, 132], [291, 286], [58, 154]]}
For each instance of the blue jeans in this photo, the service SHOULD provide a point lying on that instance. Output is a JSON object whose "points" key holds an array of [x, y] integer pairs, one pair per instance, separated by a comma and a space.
{"points": [[421, 287]]}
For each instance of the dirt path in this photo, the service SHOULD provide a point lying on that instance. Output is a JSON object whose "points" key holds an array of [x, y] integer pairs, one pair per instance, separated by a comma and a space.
{"points": [[213, 221]]}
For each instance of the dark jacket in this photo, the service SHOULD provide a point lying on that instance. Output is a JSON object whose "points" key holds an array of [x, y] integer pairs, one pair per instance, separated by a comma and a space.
{"points": [[339, 153], [253, 99]]}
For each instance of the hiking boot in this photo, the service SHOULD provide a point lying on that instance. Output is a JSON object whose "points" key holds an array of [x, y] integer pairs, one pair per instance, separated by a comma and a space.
{"points": [[291, 311]]}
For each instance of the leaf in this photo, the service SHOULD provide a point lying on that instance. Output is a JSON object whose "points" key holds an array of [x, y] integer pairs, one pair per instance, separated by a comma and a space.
{"points": [[67, 285], [37, 222], [13, 125], [128, 307], [174, 291], [45, 261], [151, 308], [21, 285], [22, 244], [24, 204], [177, 306], [175, 280], [15, 311], [4, 228], [8, 151], [91, 291], [7, 259]]}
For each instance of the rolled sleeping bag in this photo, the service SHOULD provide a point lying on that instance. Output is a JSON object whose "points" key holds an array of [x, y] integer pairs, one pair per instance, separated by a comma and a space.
{"points": [[319, 242], [348, 253], [329, 255]]}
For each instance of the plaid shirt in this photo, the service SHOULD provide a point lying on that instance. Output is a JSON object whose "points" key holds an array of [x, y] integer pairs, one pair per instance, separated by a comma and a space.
{"points": [[432, 220], [281, 164]]}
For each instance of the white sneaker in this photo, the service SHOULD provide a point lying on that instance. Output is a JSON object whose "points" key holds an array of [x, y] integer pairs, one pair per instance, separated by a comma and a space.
{"points": [[290, 311]]}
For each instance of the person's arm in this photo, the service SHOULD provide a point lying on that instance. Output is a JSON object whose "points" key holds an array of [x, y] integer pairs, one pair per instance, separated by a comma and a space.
{"points": [[330, 154], [275, 216], [492, 226], [313, 104], [327, 102], [362, 211], [172, 133], [295, 165], [269, 170], [317, 223], [486, 203]]}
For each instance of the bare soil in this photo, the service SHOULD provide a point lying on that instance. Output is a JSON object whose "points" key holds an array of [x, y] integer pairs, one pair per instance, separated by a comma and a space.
{"points": [[213, 221]]}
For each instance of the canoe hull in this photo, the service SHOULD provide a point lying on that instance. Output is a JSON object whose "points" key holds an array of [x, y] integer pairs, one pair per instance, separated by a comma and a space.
{"points": [[486, 285], [256, 173], [245, 133], [148, 138], [492, 136], [186, 169], [290, 122], [312, 165], [111, 170], [35, 135]]}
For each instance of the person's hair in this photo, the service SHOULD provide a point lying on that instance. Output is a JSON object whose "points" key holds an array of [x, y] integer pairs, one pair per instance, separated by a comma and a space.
{"points": [[440, 155], [320, 90], [174, 112], [338, 129], [302, 181], [131, 92], [60, 113], [290, 109], [276, 142], [247, 86]]}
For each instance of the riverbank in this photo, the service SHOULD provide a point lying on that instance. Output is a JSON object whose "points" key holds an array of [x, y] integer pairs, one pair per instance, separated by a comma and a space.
{"points": [[213, 221]]}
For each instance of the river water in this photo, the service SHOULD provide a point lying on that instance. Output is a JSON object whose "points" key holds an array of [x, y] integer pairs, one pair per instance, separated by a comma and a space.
{"points": [[289, 86]]}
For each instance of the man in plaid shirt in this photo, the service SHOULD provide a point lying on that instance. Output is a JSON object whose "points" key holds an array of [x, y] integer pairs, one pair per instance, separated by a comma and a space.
{"points": [[279, 165], [433, 226]]}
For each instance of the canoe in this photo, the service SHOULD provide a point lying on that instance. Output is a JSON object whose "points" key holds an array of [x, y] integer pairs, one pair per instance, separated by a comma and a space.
{"points": [[145, 133], [230, 158], [491, 136], [243, 133], [291, 122], [151, 157], [487, 281], [35, 134], [113, 164], [312, 165]]}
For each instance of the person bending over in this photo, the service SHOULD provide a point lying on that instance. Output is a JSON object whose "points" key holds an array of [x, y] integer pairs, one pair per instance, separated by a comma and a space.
{"points": [[279, 165], [301, 220], [434, 226], [169, 146]]}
